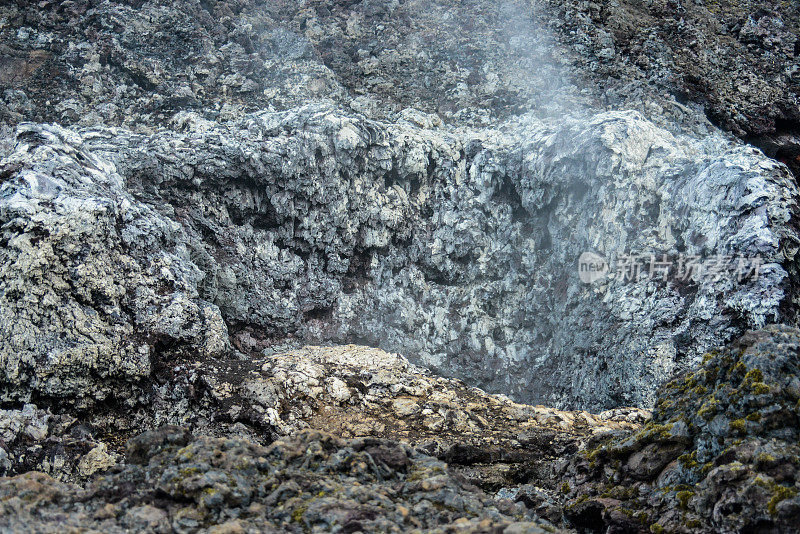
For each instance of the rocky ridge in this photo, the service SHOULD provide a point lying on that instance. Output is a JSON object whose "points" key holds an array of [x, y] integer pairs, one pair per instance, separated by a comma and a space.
{"points": [[719, 455]]}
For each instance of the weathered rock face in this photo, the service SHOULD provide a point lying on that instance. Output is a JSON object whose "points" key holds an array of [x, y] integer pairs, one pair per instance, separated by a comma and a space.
{"points": [[739, 60], [454, 246], [117, 63], [227, 181], [137, 63], [720, 454]]}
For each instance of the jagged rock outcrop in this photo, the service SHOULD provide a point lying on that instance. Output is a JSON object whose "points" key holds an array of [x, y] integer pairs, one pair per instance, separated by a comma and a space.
{"points": [[456, 247], [720, 454]]}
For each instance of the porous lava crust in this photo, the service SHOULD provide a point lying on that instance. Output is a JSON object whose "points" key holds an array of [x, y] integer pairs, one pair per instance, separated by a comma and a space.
{"points": [[210, 210]]}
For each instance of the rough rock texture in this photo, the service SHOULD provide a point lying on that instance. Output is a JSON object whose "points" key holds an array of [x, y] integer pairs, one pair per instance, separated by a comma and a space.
{"points": [[359, 219], [404, 424], [226, 181], [739, 60], [720, 454], [456, 247], [139, 62], [355, 392], [312, 482], [350, 391]]}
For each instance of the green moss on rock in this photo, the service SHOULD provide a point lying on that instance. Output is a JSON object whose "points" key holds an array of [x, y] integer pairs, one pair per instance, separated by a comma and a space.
{"points": [[683, 498], [738, 425], [780, 493]]}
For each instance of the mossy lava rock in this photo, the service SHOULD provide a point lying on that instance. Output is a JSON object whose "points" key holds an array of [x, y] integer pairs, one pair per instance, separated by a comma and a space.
{"points": [[720, 454]]}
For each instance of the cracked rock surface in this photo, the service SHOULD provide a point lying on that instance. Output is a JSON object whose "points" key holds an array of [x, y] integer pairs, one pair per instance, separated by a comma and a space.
{"points": [[456, 247], [210, 210]]}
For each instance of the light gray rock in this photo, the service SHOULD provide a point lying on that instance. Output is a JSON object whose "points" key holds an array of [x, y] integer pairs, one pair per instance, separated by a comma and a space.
{"points": [[86, 270], [456, 247]]}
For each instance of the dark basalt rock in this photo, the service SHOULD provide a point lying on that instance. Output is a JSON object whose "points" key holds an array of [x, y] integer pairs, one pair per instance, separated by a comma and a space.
{"points": [[311, 481], [138, 63], [732, 429], [140, 449]]}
